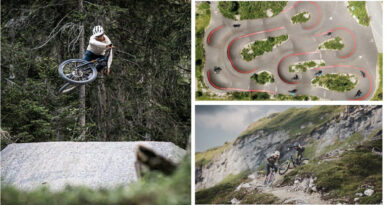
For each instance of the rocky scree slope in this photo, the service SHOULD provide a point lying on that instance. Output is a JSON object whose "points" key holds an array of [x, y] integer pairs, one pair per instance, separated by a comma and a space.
{"points": [[323, 130]]}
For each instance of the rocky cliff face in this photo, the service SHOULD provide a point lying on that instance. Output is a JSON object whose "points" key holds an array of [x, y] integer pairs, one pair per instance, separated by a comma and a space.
{"points": [[249, 151]]}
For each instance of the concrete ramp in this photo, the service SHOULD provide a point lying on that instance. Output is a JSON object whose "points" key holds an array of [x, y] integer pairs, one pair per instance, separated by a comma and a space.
{"points": [[92, 164]]}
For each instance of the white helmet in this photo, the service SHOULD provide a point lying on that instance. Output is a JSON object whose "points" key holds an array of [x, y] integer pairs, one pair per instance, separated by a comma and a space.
{"points": [[277, 153], [98, 31]]}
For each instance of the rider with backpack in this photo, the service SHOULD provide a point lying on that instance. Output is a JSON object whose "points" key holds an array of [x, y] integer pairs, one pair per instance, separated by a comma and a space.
{"points": [[98, 44], [272, 161], [299, 151]]}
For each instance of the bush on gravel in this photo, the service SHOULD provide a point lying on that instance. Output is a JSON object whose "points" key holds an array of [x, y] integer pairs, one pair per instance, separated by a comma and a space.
{"points": [[303, 66], [301, 17], [336, 82], [250, 10], [258, 48], [263, 78], [379, 91], [333, 44], [358, 9]]}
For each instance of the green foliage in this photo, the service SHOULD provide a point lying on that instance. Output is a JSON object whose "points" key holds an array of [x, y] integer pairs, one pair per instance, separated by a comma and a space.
{"points": [[336, 82], [258, 48], [333, 44], [379, 91], [295, 97], [263, 78], [250, 10], [202, 21], [147, 93], [301, 17], [344, 177], [155, 189], [359, 11], [303, 66]]}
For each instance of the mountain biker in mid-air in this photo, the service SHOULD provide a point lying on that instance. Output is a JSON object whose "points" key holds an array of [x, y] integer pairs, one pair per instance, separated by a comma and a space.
{"points": [[98, 44], [300, 149], [272, 161]]}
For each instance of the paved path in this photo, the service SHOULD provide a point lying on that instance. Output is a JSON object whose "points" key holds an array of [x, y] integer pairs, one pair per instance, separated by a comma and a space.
{"points": [[223, 44]]}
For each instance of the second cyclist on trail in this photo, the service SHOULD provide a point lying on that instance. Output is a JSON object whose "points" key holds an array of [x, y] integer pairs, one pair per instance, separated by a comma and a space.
{"points": [[299, 150], [98, 44]]}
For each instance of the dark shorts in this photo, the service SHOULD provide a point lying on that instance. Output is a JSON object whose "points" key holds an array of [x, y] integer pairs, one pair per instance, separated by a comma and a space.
{"points": [[88, 56]]}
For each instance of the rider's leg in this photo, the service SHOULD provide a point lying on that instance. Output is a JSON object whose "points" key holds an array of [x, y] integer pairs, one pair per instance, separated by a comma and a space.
{"points": [[88, 56], [268, 169]]}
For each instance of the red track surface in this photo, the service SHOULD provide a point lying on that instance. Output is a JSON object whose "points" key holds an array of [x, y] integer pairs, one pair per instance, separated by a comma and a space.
{"points": [[244, 36], [235, 89], [294, 54], [352, 67], [311, 2], [349, 31], [212, 32]]}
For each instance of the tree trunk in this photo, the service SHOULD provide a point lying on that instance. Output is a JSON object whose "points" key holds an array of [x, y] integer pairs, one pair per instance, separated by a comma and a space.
{"points": [[82, 88]]}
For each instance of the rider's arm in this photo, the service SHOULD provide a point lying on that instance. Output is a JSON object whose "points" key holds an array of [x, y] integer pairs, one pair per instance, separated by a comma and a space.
{"points": [[97, 43]]}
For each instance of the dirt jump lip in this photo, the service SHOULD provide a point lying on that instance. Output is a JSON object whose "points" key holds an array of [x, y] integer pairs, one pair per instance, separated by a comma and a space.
{"points": [[244, 36], [235, 89]]}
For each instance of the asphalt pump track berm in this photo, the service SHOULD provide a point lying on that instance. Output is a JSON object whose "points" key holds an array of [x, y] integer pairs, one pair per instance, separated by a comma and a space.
{"points": [[225, 38]]}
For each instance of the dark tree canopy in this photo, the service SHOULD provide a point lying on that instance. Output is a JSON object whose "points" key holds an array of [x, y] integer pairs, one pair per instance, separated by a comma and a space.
{"points": [[147, 95]]}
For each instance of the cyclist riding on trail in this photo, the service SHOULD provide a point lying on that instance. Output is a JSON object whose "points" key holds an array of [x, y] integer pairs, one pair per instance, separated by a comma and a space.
{"points": [[98, 44], [299, 150], [272, 161]]}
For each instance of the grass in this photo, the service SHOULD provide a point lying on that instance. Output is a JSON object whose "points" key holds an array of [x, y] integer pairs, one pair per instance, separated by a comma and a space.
{"points": [[203, 158], [224, 192], [263, 78], [203, 16], [292, 119], [303, 66], [301, 17], [359, 12], [154, 189], [342, 178], [336, 82], [378, 96], [332, 44], [258, 48], [250, 10]]}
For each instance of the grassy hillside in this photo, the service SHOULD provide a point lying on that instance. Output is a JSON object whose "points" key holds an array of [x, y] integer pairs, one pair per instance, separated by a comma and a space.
{"points": [[292, 119], [205, 157], [351, 173]]}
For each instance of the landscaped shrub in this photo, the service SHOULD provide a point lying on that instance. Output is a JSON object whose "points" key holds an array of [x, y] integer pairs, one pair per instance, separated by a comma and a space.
{"points": [[358, 9], [333, 44], [250, 10], [303, 66], [258, 48], [336, 82], [301, 17], [263, 78]]}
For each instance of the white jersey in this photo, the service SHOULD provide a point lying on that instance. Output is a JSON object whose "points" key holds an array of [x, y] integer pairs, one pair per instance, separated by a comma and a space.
{"points": [[99, 47]]}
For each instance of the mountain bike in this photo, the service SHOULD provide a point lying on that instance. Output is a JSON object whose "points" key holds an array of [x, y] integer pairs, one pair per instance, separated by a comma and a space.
{"points": [[79, 72], [270, 178], [291, 163]]}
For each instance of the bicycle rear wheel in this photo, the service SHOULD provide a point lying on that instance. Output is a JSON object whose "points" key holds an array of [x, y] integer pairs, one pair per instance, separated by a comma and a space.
{"points": [[284, 167], [67, 87], [77, 71]]}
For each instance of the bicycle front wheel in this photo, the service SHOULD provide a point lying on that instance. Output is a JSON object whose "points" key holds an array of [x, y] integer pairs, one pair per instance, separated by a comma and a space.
{"points": [[77, 71], [284, 167]]}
